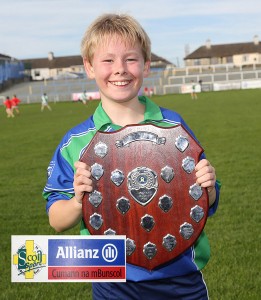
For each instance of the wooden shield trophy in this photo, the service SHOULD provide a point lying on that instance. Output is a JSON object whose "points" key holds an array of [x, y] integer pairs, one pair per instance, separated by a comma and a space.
{"points": [[144, 187]]}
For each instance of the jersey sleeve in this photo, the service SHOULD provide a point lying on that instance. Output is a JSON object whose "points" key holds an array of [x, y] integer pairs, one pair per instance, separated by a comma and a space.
{"points": [[59, 185], [214, 206]]}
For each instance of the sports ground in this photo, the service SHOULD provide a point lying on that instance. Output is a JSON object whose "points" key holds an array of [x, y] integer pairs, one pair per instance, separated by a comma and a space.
{"points": [[229, 129]]}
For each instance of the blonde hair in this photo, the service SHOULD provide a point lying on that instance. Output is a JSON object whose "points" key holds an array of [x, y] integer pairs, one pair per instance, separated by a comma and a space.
{"points": [[109, 25]]}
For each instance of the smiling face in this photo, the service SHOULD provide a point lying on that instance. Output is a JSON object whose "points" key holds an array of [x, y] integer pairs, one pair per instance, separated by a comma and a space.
{"points": [[118, 69]]}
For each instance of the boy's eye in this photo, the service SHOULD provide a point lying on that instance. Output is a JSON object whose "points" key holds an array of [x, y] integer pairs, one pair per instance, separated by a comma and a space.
{"points": [[131, 59], [107, 60]]}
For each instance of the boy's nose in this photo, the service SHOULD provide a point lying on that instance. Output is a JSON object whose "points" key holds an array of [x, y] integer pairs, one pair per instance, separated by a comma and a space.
{"points": [[120, 68]]}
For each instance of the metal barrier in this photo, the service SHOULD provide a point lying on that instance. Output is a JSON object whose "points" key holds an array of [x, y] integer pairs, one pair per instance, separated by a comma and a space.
{"points": [[168, 81]]}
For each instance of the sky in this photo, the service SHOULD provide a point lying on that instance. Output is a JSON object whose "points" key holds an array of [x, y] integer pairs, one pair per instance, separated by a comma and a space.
{"points": [[33, 28]]}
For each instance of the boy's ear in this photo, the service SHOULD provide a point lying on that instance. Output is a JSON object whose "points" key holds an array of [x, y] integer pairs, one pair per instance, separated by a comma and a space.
{"points": [[146, 70], [88, 69]]}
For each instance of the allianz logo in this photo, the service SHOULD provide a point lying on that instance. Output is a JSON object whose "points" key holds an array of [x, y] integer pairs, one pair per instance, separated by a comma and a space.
{"points": [[109, 252]]}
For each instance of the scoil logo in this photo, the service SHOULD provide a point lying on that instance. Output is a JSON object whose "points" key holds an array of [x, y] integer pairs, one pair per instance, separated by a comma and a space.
{"points": [[29, 259]]}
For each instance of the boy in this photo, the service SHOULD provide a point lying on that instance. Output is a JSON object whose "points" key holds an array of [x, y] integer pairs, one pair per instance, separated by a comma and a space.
{"points": [[8, 107], [15, 102], [83, 97], [193, 90], [45, 102], [116, 53]]}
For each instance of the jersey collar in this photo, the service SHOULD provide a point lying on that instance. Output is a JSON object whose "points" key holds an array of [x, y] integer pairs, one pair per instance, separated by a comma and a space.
{"points": [[152, 113]]}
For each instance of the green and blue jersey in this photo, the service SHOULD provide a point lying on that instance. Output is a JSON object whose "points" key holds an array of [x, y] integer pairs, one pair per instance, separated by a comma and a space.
{"points": [[60, 173]]}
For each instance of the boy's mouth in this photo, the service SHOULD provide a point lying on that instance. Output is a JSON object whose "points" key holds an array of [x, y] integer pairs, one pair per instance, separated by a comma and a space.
{"points": [[120, 83]]}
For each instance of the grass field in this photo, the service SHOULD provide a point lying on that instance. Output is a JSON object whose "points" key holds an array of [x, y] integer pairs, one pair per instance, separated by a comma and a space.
{"points": [[229, 128]]}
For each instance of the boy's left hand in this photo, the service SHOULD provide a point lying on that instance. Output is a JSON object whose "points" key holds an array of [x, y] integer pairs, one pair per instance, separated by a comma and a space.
{"points": [[205, 174]]}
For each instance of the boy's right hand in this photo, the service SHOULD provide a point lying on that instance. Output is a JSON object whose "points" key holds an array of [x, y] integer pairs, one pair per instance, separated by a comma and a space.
{"points": [[82, 180]]}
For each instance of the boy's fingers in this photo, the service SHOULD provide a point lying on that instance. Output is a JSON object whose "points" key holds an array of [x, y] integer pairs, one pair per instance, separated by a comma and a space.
{"points": [[82, 165], [202, 163], [205, 170]]}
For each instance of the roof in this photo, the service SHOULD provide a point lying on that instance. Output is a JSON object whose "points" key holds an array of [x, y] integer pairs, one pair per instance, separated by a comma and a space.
{"points": [[4, 56], [8, 58], [68, 61], [224, 50], [54, 63], [156, 58]]}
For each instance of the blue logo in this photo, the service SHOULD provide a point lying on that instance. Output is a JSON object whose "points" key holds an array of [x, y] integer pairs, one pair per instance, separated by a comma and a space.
{"points": [[86, 252], [109, 252]]}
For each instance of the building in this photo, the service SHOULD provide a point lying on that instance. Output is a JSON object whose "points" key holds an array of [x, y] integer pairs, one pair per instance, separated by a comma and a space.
{"points": [[11, 71], [239, 54], [52, 67], [66, 67]]}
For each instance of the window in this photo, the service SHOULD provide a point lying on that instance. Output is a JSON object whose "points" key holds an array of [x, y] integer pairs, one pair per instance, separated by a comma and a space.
{"points": [[229, 59], [197, 62], [214, 61], [245, 58]]}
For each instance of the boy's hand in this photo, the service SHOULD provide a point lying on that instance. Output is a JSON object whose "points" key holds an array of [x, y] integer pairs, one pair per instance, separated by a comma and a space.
{"points": [[82, 180], [206, 175]]}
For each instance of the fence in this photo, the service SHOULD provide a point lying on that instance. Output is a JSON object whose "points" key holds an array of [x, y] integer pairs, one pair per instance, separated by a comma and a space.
{"points": [[168, 81]]}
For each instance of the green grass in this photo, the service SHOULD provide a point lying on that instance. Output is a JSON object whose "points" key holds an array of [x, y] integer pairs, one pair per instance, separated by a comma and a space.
{"points": [[228, 126]]}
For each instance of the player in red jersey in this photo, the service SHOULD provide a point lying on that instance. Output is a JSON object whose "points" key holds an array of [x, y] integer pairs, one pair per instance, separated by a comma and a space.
{"points": [[15, 102], [8, 107]]}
